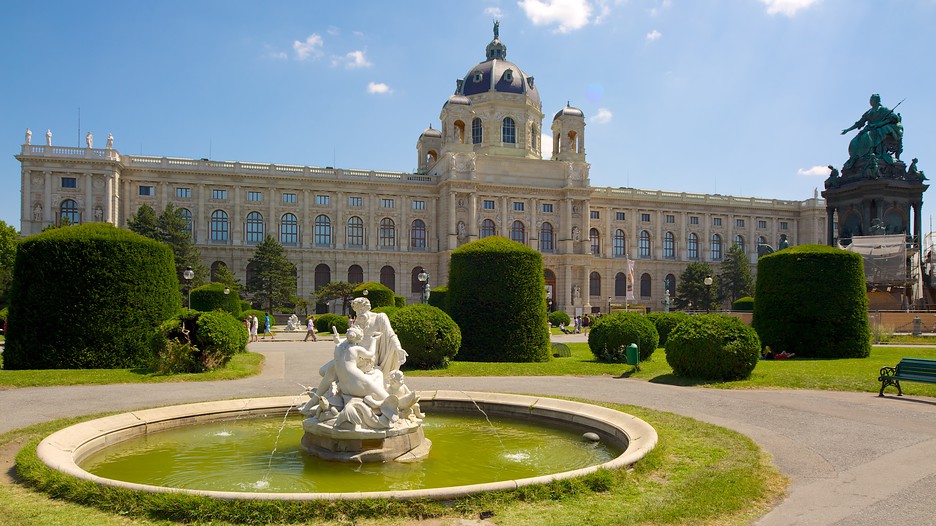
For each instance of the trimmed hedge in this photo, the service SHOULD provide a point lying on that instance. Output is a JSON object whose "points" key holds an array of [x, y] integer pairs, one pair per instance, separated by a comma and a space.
{"points": [[812, 301], [378, 295], [429, 336], [713, 347], [324, 322], [212, 339], [399, 301], [557, 316], [88, 296], [212, 297], [386, 310], [497, 296], [612, 333], [438, 297], [665, 322], [745, 304]]}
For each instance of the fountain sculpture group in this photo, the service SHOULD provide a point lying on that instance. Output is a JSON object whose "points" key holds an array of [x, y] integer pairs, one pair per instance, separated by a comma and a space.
{"points": [[362, 411]]}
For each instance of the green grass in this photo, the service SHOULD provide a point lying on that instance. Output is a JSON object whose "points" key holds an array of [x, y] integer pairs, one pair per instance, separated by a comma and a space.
{"points": [[698, 474], [240, 366]]}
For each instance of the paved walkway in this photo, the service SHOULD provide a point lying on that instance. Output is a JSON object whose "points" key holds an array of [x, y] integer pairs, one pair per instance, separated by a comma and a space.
{"points": [[853, 458]]}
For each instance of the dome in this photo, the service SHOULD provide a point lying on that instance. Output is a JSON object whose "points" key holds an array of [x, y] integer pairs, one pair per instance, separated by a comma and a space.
{"points": [[570, 111], [431, 132], [497, 74], [460, 100]]}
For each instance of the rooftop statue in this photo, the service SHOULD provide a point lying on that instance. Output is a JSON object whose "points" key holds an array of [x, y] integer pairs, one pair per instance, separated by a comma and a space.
{"points": [[880, 134]]}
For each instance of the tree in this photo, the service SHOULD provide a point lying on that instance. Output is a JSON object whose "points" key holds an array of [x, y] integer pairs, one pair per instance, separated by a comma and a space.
{"points": [[273, 281], [692, 292], [735, 278], [224, 276], [172, 228], [335, 290], [143, 222], [8, 240]]}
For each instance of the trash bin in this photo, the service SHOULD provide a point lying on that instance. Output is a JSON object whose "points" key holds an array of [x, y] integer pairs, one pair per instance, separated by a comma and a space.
{"points": [[917, 326], [631, 354]]}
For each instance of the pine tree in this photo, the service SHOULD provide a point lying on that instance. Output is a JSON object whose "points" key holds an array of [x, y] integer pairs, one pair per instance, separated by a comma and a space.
{"points": [[172, 228], [273, 281], [735, 278], [692, 292]]}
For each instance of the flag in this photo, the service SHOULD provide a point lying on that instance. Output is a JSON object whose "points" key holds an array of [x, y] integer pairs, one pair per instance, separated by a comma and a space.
{"points": [[630, 280]]}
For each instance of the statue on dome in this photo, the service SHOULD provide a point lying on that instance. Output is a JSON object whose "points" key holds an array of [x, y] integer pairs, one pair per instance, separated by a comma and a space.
{"points": [[497, 29]]}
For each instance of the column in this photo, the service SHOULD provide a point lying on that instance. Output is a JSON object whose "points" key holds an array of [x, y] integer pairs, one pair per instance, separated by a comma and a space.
{"points": [[305, 223], [565, 237], [505, 226], [109, 198], [202, 215], [450, 229], [533, 235], [48, 215], [26, 209], [406, 204], [339, 220], [473, 216], [88, 215]]}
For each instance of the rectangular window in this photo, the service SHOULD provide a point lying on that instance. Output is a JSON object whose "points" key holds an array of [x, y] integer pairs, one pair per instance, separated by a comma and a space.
{"points": [[670, 219], [518, 206], [645, 218], [356, 201], [488, 204], [619, 216], [321, 199], [547, 208], [594, 214], [146, 190], [694, 220], [255, 196], [183, 193], [739, 223], [419, 204], [762, 225], [386, 203], [784, 225], [289, 199], [69, 182], [219, 194], [716, 221]]}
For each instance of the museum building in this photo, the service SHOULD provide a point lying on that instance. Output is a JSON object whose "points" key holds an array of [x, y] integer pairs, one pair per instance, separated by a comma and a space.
{"points": [[481, 173]]}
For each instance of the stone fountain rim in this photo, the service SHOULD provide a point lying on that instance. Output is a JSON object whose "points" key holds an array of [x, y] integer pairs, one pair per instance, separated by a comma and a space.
{"points": [[66, 448]]}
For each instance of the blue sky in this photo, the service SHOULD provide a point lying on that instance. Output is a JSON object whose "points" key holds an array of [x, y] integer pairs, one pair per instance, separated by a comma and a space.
{"points": [[737, 97]]}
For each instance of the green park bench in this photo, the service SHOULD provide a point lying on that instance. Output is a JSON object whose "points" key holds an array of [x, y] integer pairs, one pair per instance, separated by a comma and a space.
{"points": [[908, 369]]}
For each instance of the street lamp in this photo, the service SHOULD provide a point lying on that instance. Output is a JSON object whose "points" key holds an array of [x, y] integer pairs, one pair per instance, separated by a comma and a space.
{"points": [[609, 304], [708, 293], [189, 275], [423, 277]]}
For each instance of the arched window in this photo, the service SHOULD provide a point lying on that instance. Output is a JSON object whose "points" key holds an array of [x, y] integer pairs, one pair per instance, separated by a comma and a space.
{"points": [[322, 275], [716, 247], [487, 228], [187, 215], [477, 132], [459, 132], [254, 231], [761, 240], [509, 132], [322, 230], [646, 286], [739, 242], [215, 268], [388, 277], [355, 232], [669, 283], [595, 239], [251, 272], [416, 286], [620, 284], [669, 245], [387, 233], [355, 274], [418, 234], [289, 229], [550, 278], [619, 244], [643, 245], [693, 246], [546, 237], [219, 225], [517, 232], [69, 211], [594, 284]]}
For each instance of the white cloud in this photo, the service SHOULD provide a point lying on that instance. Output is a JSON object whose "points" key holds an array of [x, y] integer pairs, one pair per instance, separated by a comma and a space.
{"points": [[312, 47], [333, 31], [494, 11], [602, 116], [275, 54], [664, 5], [822, 171], [654, 35], [569, 15], [353, 60], [378, 88], [546, 146], [786, 7]]}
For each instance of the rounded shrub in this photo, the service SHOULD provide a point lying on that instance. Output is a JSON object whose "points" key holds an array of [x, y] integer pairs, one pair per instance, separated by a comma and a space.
{"points": [[497, 296], [325, 322], [812, 301], [713, 347], [194, 341], [612, 333], [378, 295], [212, 297], [557, 317], [438, 297], [386, 310], [665, 322], [399, 301], [254, 312], [745, 304], [88, 296], [429, 336]]}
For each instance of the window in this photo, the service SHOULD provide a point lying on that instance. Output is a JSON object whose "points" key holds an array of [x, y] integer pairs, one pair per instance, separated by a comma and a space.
{"points": [[322, 230], [416, 286], [783, 225], [643, 245], [322, 199], [645, 218], [69, 211], [594, 284], [289, 229], [355, 274], [487, 204], [594, 214], [219, 194], [595, 238], [419, 204], [518, 232], [694, 220], [669, 283], [146, 190], [219, 224], [716, 247], [619, 216], [619, 246], [322, 276], [289, 198], [646, 286], [418, 234], [739, 242], [387, 233], [487, 228], [355, 232], [388, 277], [356, 201], [671, 219], [69, 182], [477, 132], [546, 237], [716, 221], [518, 206], [386, 203], [762, 224], [255, 197], [620, 284], [739, 223], [254, 232], [187, 215], [547, 208], [509, 131], [669, 245], [693, 246], [183, 193]]}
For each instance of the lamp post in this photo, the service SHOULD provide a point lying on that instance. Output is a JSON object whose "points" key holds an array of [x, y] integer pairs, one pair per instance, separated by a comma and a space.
{"points": [[708, 293], [609, 304], [189, 275], [423, 277]]}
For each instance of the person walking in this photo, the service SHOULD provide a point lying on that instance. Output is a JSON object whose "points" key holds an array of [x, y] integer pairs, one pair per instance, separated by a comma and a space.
{"points": [[254, 325], [267, 326], [586, 323], [310, 329]]}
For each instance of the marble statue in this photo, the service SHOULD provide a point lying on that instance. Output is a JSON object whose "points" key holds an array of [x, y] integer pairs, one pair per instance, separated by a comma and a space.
{"points": [[576, 234], [390, 354], [110, 141], [89, 140], [292, 324], [28, 136], [48, 137], [37, 212]]}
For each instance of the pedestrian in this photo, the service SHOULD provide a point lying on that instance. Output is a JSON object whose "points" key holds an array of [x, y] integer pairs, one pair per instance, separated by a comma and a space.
{"points": [[254, 325], [266, 326], [578, 325], [310, 329], [586, 323]]}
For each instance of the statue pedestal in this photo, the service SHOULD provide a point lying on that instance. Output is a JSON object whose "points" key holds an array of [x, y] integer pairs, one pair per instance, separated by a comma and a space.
{"points": [[403, 443]]}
